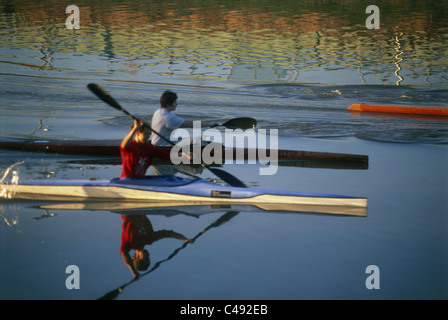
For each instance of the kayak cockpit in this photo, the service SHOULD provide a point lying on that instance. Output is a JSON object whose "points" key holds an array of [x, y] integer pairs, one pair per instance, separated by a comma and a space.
{"points": [[155, 181]]}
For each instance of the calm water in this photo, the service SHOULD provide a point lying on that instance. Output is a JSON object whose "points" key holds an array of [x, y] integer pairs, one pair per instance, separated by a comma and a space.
{"points": [[293, 65]]}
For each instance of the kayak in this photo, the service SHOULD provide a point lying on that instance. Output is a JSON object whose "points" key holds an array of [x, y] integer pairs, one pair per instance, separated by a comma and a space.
{"points": [[399, 109], [110, 148], [170, 189], [299, 163]]}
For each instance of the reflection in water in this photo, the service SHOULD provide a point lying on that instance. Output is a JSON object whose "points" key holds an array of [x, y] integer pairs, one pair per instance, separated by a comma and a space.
{"points": [[398, 58], [215, 55], [235, 40], [145, 232], [137, 233]]}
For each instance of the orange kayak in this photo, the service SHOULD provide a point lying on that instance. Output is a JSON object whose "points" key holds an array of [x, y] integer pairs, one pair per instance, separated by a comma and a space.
{"points": [[399, 109]]}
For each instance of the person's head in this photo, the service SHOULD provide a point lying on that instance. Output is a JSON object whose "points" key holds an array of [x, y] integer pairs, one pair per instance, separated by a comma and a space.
{"points": [[142, 134], [141, 260], [168, 100]]}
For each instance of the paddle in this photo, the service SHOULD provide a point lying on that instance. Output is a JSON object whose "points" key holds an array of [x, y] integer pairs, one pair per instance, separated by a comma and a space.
{"points": [[239, 123], [111, 295], [103, 95]]}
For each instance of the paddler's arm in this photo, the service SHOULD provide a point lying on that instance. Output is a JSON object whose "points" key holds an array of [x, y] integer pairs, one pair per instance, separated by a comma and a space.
{"points": [[187, 124], [129, 263], [204, 124], [128, 139], [161, 234]]}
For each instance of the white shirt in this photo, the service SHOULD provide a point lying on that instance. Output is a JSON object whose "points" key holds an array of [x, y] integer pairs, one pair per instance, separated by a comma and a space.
{"points": [[164, 122]]}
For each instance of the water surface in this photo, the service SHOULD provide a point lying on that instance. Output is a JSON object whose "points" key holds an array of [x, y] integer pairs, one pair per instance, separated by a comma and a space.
{"points": [[294, 66]]}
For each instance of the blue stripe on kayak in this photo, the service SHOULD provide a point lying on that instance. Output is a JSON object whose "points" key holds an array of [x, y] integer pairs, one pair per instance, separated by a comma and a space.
{"points": [[202, 188], [155, 181], [178, 185]]}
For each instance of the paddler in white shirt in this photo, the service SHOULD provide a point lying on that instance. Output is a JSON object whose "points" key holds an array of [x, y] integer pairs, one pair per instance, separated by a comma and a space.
{"points": [[164, 121]]}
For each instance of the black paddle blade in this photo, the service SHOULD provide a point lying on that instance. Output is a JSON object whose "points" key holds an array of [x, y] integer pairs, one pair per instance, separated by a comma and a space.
{"points": [[241, 123], [111, 295], [103, 95], [227, 177]]}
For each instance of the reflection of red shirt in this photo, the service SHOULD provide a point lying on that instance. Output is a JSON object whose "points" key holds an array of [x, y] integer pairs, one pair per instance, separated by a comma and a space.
{"points": [[137, 158], [137, 231]]}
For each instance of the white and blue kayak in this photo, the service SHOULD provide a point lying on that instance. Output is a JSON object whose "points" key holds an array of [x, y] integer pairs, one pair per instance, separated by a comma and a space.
{"points": [[172, 190]]}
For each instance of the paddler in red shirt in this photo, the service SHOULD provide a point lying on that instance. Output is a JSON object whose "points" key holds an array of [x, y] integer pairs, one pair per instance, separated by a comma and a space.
{"points": [[137, 152]]}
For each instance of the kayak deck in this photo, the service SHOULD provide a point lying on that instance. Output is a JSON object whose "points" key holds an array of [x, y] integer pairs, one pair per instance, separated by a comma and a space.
{"points": [[171, 189]]}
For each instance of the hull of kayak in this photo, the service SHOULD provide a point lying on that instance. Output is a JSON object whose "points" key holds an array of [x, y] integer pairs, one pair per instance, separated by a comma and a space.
{"points": [[110, 148], [399, 109], [170, 189]]}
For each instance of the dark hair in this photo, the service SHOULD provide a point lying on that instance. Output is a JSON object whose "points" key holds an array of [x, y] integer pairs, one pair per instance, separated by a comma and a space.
{"points": [[167, 98], [142, 264]]}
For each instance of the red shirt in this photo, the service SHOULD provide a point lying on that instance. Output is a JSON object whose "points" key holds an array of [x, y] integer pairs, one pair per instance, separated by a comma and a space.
{"points": [[137, 158], [137, 231]]}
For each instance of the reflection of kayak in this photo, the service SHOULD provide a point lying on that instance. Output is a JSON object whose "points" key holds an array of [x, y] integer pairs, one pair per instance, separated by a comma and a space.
{"points": [[170, 190], [399, 109], [172, 209], [109, 148]]}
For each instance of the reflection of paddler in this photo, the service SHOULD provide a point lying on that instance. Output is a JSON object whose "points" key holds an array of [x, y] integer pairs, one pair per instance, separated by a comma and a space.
{"points": [[137, 232], [114, 293]]}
